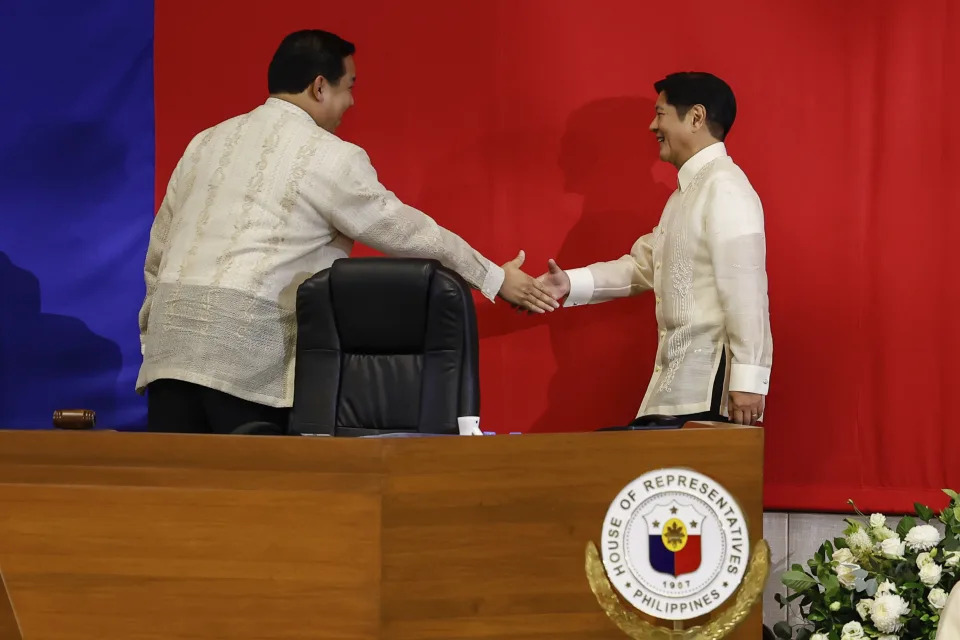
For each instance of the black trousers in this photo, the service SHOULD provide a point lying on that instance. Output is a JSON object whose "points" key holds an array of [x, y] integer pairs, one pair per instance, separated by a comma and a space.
{"points": [[175, 406], [713, 415]]}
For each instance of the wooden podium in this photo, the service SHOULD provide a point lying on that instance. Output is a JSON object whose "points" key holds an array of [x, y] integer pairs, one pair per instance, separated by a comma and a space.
{"points": [[136, 536]]}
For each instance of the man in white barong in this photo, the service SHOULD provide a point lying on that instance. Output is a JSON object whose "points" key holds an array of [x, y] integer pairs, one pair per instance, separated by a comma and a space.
{"points": [[705, 262], [256, 205]]}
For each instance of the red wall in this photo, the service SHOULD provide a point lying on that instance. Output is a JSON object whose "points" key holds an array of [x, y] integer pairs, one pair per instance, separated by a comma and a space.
{"points": [[522, 124]]}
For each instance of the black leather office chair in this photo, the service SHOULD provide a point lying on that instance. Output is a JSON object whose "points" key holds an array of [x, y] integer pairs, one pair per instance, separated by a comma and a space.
{"points": [[385, 345]]}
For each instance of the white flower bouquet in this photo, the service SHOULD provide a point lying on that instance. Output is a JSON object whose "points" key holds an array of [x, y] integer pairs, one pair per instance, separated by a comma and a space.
{"points": [[877, 582]]}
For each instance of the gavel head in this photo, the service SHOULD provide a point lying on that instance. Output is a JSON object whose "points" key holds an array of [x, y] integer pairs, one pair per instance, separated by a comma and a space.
{"points": [[74, 419]]}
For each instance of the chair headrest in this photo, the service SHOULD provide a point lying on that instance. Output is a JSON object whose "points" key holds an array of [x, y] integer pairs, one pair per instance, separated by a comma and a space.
{"points": [[382, 305]]}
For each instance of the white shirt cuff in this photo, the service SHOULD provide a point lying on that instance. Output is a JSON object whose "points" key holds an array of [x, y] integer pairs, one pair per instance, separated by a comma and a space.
{"points": [[581, 287], [492, 282], [749, 378]]}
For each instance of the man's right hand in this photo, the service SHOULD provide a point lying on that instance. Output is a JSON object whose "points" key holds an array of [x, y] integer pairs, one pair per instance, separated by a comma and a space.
{"points": [[555, 280], [523, 291]]}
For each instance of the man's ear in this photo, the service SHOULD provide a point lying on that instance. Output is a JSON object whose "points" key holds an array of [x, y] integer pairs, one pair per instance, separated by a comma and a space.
{"points": [[318, 87], [697, 116]]}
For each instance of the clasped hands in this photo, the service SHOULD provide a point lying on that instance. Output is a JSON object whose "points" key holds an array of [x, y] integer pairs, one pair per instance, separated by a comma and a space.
{"points": [[533, 295], [545, 292], [523, 292]]}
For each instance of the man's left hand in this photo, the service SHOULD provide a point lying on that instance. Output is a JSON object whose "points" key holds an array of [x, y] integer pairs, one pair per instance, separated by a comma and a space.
{"points": [[745, 408]]}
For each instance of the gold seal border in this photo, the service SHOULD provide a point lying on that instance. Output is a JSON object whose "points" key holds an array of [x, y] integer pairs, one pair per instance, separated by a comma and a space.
{"points": [[628, 621]]}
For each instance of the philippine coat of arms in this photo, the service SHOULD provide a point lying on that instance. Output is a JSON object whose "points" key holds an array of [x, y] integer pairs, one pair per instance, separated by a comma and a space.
{"points": [[675, 545]]}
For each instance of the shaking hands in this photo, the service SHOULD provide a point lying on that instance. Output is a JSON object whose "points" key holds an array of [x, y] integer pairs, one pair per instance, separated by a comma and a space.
{"points": [[555, 281], [533, 295], [523, 291]]}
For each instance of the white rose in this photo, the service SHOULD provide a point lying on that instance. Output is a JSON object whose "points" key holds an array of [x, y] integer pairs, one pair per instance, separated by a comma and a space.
{"points": [[878, 520], [843, 556], [930, 574], [851, 631], [864, 607], [886, 587], [924, 559], [886, 612], [846, 573], [883, 533], [937, 598], [892, 547], [859, 541], [819, 636], [923, 537], [952, 558]]}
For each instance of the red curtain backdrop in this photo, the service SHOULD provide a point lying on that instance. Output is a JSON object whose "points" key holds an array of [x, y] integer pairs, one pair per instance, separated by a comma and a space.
{"points": [[523, 124]]}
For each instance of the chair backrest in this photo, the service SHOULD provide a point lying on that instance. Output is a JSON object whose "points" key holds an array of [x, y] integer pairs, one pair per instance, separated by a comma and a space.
{"points": [[385, 345]]}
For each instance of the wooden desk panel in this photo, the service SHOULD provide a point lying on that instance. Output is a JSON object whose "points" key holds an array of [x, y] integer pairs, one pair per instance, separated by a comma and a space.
{"points": [[485, 537], [146, 536], [138, 536]]}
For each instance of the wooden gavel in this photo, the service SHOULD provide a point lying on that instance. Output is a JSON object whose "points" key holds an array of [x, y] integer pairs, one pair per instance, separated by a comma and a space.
{"points": [[74, 419]]}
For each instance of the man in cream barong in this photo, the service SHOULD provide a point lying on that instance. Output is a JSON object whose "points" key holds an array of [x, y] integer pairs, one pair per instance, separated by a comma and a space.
{"points": [[256, 205], [704, 262]]}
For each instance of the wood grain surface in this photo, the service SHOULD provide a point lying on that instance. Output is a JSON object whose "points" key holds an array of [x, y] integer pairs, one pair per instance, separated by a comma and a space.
{"points": [[145, 536]]}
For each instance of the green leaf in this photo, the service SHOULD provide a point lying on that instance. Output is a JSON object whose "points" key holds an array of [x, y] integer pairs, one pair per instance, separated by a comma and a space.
{"points": [[906, 523], [804, 634], [923, 511], [797, 580], [951, 493], [840, 543], [783, 630], [819, 612], [815, 563], [823, 572], [831, 586], [822, 551]]}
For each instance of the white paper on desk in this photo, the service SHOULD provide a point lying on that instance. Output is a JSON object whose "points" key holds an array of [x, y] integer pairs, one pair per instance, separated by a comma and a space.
{"points": [[469, 425]]}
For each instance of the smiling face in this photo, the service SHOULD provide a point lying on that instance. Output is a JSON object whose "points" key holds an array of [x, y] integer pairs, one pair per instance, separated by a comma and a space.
{"points": [[333, 100], [675, 134]]}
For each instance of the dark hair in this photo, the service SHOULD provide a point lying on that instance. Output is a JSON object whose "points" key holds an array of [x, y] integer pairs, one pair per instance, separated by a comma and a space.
{"points": [[688, 88], [304, 55]]}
